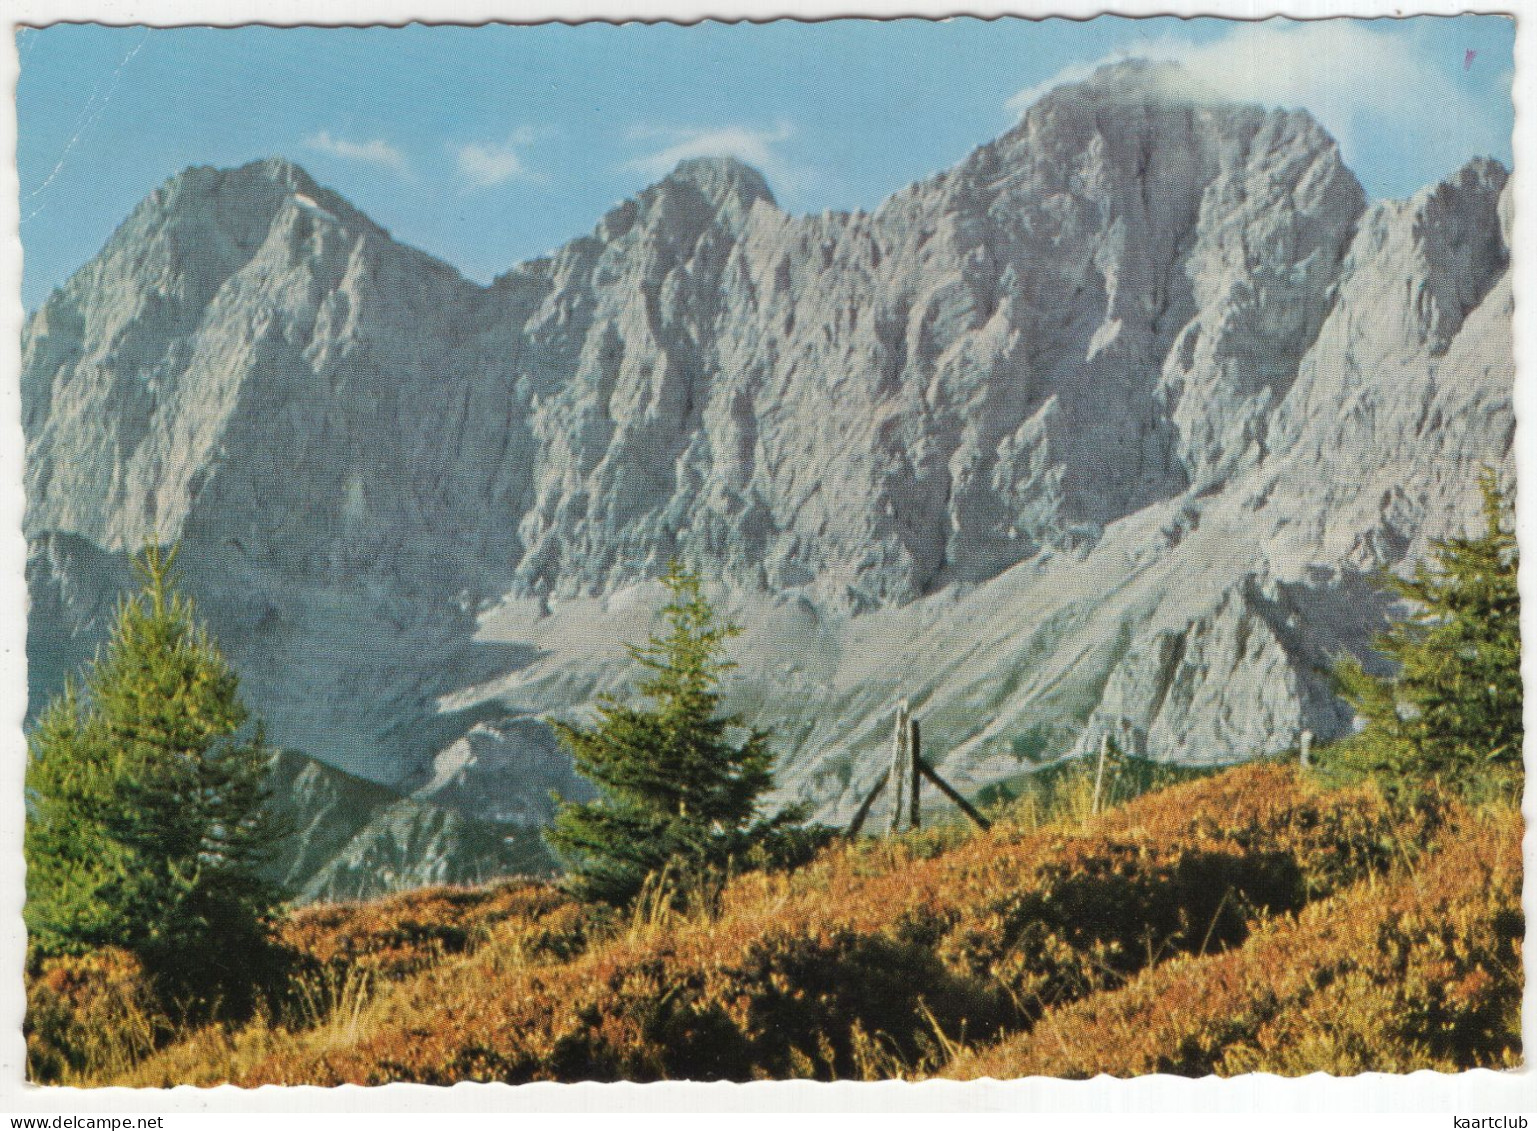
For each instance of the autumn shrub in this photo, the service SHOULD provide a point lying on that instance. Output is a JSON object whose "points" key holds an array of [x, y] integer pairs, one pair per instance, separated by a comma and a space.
{"points": [[1437, 983], [1091, 915], [776, 1006], [400, 934], [782, 1006], [343, 954], [90, 1017], [1185, 870], [1418, 971]]}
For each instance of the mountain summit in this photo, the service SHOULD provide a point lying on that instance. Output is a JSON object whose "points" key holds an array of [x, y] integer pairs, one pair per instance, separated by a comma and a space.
{"points": [[1103, 430]]}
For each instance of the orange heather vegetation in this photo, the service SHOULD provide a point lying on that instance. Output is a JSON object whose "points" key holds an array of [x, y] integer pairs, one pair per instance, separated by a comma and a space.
{"points": [[1250, 921], [1423, 972]]}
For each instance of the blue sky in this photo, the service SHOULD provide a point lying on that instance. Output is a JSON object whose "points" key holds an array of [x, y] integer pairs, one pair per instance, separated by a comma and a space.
{"points": [[489, 145]]}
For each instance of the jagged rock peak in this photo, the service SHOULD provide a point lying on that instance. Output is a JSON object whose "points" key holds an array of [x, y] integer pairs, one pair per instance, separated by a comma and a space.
{"points": [[277, 171], [701, 188], [1473, 185], [199, 186], [264, 187], [1138, 107], [724, 181], [234, 209], [1161, 84], [1136, 80]]}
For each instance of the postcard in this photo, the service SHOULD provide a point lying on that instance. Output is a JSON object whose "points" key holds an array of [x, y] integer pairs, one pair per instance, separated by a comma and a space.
{"points": [[840, 550]]}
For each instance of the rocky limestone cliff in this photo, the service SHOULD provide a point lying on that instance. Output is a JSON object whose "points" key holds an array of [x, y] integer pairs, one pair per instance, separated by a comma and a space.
{"points": [[1102, 430]]}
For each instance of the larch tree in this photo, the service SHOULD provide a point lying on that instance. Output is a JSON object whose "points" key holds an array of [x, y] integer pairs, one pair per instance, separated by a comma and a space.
{"points": [[147, 819]]}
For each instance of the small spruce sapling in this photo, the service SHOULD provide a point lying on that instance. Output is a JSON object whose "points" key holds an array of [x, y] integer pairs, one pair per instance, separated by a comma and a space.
{"points": [[676, 792], [1452, 713]]}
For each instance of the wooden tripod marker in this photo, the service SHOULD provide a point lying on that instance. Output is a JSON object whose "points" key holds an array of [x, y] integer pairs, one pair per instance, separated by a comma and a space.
{"points": [[905, 775]]}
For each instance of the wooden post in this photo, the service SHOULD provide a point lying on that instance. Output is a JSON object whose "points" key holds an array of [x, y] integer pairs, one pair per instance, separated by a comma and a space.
{"points": [[907, 769], [1307, 748], [1099, 774], [944, 787], [864, 806], [914, 755], [901, 775]]}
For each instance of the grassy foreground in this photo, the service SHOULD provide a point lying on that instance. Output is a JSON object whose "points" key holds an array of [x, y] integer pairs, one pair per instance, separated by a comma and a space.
{"points": [[1249, 921]]}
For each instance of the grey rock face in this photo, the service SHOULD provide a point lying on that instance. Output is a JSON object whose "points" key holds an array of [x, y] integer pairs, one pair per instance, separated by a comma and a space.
{"points": [[1100, 431], [880, 405], [346, 838]]}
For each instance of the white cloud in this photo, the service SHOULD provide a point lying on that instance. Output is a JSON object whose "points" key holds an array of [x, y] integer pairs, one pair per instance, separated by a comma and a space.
{"points": [[375, 152], [756, 147], [1359, 82], [487, 164]]}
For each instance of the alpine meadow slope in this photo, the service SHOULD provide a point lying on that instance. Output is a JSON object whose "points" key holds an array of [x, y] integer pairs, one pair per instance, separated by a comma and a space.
{"points": [[1104, 430]]}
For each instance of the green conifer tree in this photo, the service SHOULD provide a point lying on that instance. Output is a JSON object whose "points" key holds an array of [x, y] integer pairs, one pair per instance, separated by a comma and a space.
{"points": [[1453, 710], [675, 790], [147, 819], [68, 853]]}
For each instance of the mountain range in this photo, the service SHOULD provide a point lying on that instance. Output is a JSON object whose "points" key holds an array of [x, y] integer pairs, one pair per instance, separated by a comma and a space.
{"points": [[1105, 430]]}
